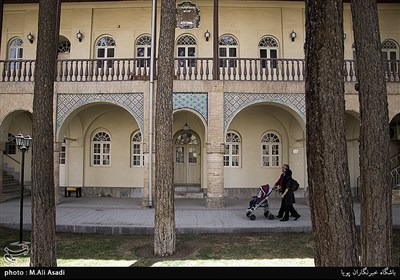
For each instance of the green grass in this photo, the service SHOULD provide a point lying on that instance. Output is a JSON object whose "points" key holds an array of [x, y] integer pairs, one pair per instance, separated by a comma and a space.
{"points": [[245, 249]]}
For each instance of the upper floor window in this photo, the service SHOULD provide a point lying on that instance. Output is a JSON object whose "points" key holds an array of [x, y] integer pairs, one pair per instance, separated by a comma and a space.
{"points": [[228, 49], [101, 149], [270, 150], [105, 48], [64, 45], [268, 48], [143, 50], [11, 145], [15, 52], [186, 47], [137, 149], [390, 53], [232, 149]]}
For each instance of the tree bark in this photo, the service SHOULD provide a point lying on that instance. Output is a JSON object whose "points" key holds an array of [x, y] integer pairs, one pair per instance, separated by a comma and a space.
{"points": [[376, 192], [331, 205], [164, 232], [43, 235]]}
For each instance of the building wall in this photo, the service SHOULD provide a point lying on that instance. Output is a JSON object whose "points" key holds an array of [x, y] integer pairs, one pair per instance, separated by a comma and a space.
{"points": [[259, 106]]}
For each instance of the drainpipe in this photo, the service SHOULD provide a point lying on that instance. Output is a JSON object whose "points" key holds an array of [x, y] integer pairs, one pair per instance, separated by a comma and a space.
{"points": [[152, 69]]}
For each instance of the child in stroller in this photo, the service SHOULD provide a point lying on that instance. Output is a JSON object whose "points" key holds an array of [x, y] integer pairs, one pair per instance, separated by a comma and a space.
{"points": [[260, 200]]}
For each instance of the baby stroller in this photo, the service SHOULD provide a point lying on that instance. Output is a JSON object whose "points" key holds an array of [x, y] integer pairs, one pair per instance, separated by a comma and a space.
{"points": [[261, 200]]}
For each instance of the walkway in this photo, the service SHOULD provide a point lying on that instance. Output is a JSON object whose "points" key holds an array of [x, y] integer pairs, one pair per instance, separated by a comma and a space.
{"points": [[127, 216]]}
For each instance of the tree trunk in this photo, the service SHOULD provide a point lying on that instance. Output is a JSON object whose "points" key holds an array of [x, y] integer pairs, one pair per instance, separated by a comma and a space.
{"points": [[331, 206], [164, 232], [43, 234], [376, 191]]}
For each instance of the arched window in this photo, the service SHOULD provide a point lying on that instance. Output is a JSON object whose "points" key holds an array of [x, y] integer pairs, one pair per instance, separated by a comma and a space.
{"points": [[105, 48], [228, 49], [64, 45], [101, 149], [390, 53], [186, 47], [143, 50], [270, 150], [268, 48], [11, 145], [233, 148], [137, 149], [15, 53]]}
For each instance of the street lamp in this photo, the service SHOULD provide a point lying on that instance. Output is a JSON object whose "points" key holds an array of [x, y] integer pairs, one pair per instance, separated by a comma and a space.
{"points": [[23, 144]]}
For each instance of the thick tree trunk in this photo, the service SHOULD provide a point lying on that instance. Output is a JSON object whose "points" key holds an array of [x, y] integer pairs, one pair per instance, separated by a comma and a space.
{"points": [[164, 232], [376, 191], [43, 234], [331, 206]]}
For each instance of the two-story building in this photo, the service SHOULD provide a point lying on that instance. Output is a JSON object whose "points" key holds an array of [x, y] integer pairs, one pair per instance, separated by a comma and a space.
{"points": [[239, 111]]}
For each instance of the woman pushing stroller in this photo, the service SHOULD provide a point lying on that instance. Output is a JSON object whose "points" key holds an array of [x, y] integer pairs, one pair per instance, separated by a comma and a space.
{"points": [[285, 188]]}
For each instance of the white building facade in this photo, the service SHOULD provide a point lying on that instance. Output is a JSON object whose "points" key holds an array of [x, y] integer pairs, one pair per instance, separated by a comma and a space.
{"points": [[238, 115]]}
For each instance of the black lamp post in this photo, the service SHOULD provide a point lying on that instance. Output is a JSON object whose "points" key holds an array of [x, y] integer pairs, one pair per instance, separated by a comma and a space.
{"points": [[23, 144]]}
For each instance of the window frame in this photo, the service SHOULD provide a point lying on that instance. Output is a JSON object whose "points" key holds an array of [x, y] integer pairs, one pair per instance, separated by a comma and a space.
{"points": [[228, 147], [271, 154], [229, 43], [137, 135], [186, 42], [106, 43], [102, 144], [268, 44]]}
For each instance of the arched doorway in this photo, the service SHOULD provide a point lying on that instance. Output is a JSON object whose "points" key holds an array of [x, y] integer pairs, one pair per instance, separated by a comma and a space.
{"points": [[187, 159]]}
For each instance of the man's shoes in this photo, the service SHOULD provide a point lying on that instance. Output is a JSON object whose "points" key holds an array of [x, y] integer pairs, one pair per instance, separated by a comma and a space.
{"points": [[284, 220], [296, 218], [279, 217]]}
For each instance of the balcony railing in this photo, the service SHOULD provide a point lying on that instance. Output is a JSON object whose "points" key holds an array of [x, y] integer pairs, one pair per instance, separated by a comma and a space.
{"points": [[126, 69]]}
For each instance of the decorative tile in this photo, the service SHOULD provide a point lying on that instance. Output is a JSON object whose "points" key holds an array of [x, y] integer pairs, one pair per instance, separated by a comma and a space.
{"points": [[235, 102], [132, 102], [197, 101]]}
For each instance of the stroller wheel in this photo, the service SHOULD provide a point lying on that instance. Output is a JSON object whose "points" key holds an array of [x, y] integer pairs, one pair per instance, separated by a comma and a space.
{"points": [[266, 214], [248, 214], [252, 217]]}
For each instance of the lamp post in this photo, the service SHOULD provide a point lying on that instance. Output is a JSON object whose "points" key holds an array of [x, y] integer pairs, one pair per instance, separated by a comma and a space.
{"points": [[23, 144]]}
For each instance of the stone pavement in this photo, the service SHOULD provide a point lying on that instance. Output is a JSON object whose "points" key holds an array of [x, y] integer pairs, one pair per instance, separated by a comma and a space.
{"points": [[127, 216]]}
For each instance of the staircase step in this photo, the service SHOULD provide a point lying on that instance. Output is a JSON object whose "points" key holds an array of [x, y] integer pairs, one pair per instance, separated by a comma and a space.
{"points": [[188, 191], [12, 188]]}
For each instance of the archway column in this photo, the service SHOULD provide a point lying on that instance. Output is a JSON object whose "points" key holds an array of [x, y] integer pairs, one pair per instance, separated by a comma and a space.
{"points": [[215, 148], [215, 175]]}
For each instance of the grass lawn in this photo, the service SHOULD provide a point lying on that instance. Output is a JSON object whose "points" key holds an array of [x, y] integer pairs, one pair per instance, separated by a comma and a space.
{"points": [[242, 249]]}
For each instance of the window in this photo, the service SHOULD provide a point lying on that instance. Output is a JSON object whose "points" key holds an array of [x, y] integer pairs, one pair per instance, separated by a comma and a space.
{"points": [[101, 149], [137, 149], [390, 53], [16, 50], [143, 50], [62, 153], [11, 145], [232, 150], [186, 47], [64, 45], [228, 47], [270, 150], [268, 48], [105, 48]]}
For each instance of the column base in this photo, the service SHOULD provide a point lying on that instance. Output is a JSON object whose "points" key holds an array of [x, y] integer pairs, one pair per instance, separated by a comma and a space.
{"points": [[215, 202]]}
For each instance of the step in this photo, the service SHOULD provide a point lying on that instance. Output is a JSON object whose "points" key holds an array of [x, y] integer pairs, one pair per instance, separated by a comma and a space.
{"points": [[188, 191]]}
